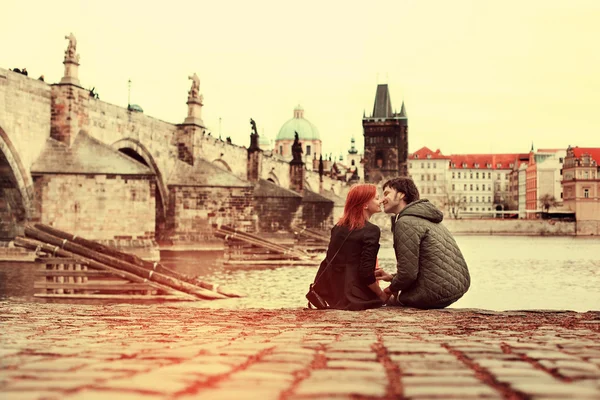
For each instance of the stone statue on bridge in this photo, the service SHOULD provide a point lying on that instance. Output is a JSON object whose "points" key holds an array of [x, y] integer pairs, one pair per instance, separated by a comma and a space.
{"points": [[71, 52], [194, 92], [253, 137], [296, 149]]}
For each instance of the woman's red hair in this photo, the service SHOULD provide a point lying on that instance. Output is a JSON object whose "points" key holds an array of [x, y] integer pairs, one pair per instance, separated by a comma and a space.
{"points": [[358, 196]]}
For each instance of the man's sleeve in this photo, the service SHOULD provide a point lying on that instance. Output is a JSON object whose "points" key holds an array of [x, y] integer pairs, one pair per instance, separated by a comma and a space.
{"points": [[407, 242]]}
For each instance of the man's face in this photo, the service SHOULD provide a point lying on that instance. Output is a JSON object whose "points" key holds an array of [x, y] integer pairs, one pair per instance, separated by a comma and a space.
{"points": [[391, 200]]}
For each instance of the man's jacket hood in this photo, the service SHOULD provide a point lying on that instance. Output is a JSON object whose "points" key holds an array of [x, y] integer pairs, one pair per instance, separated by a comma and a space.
{"points": [[421, 209]]}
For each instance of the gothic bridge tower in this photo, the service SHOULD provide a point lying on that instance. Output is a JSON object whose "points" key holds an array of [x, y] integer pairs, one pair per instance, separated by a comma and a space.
{"points": [[386, 140]]}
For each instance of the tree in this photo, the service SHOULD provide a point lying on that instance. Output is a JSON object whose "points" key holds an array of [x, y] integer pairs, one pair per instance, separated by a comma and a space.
{"points": [[547, 201], [454, 204]]}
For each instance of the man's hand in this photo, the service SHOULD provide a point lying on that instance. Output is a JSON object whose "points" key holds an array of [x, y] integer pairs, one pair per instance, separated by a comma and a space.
{"points": [[381, 275], [384, 297]]}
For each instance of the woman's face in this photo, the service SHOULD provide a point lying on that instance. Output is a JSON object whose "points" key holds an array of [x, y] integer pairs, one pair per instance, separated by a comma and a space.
{"points": [[374, 205]]}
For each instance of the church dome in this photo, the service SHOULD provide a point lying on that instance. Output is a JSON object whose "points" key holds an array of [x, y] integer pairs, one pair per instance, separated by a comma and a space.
{"points": [[306, 130], [264, 142]]}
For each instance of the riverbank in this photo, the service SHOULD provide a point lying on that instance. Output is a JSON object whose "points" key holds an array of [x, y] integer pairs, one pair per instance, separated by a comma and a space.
{"points": [[179, 351]]}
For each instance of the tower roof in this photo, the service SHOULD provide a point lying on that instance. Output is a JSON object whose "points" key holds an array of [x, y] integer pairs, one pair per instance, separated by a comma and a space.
{"points": [[383, 104]]}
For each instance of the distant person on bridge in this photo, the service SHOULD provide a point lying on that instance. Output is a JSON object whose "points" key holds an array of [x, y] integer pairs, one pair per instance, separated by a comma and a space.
{"points": [[431, 270], [346, 278]]}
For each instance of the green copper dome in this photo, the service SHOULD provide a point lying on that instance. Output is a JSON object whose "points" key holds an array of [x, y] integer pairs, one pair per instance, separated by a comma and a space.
{"points": [[306, 130]]}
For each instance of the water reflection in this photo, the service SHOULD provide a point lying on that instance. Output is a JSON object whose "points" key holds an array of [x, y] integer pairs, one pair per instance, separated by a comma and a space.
{"points": [[507, 273]]}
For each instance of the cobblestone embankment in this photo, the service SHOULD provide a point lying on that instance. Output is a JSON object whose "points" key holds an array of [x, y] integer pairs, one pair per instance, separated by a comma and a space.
{"points": [[178, 351]]}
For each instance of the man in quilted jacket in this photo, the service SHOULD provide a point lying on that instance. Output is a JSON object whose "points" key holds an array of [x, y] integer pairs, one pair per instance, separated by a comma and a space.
{"points": [[431, 270]]}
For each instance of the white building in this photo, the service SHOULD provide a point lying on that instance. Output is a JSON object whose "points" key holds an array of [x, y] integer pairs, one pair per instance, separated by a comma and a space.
{"points": [[429, 170]]}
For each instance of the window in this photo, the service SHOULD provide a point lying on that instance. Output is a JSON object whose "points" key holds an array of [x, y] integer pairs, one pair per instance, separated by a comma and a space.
{"points": [[428, 165], [483, 187], [433, 165], [489, 199], [453, 186], [470, 199], [428, 190], [585, 174], [422, 177], [308, 150], [476, 187], [352, 162], [477, 199], [379, 159], [489, 175], [498, 176], [459, 175], [586, 193], [471, 187], [464, 198], [280, 149], [477, 209], [471, 175], [465, 188], [453, 175], [409, 165], [477, 175], [422, 165], [434, 190], [428, 177], [470, 208], [435, 177]]}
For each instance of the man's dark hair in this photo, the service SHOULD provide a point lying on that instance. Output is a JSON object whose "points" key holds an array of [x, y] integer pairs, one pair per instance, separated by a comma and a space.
{"points": [[404, 185]]}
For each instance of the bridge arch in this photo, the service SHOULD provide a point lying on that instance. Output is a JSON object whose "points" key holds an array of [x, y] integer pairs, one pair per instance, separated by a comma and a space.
{"points": [[307, 185], [221, 163], [273, 178], [15, 176], [136, 150]]}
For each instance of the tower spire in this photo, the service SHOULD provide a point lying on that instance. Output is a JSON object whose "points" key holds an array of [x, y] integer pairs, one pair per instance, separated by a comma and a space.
{"points": [[402, 110]]}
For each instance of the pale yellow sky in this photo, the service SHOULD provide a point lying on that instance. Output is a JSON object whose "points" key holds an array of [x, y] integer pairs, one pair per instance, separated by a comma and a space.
{"points": [[477, 76]]}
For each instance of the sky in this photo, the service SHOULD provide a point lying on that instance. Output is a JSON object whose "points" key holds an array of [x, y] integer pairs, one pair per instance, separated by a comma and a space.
{"points": [[476, 76]]}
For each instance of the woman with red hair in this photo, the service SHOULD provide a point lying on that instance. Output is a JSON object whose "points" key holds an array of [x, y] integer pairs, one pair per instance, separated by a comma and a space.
{"points": [[346, 278]]}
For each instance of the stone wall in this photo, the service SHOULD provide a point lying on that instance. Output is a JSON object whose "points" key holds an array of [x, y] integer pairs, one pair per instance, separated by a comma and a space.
{"points": [[317, 216], [98, 207], [194, 210], [588, 228], [276, 213], [510, 227]]}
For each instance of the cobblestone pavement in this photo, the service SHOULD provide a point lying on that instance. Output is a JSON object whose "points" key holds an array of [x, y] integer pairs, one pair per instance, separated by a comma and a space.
{"points": [[180, 351]]}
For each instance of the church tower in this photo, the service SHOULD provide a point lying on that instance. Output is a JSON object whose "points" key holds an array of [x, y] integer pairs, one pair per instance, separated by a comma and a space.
{"points": [[386, 140]]}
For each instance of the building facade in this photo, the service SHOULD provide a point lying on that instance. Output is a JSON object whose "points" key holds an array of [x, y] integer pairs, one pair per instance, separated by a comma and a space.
{"points": [[581, 187], [481, 183], [429, 170], [386, 140]]}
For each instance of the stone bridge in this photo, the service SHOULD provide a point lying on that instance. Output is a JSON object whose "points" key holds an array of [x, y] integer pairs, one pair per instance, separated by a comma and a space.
{"points": [[73, 161]]}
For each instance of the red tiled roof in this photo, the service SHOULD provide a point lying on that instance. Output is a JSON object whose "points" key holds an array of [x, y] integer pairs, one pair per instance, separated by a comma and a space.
{"points": [[592, 151], [423, 152], [487, 161]]}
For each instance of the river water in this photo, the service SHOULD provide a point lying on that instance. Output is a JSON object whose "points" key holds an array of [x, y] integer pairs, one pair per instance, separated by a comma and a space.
{"points": [[507, 273]]}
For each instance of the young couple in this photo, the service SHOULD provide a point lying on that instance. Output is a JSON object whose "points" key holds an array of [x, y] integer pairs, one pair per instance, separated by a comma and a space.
{"points": [[431, 270]]}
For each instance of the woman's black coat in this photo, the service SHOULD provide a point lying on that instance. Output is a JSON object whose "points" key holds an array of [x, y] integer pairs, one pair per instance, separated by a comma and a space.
{"points": [[344, 284]]}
